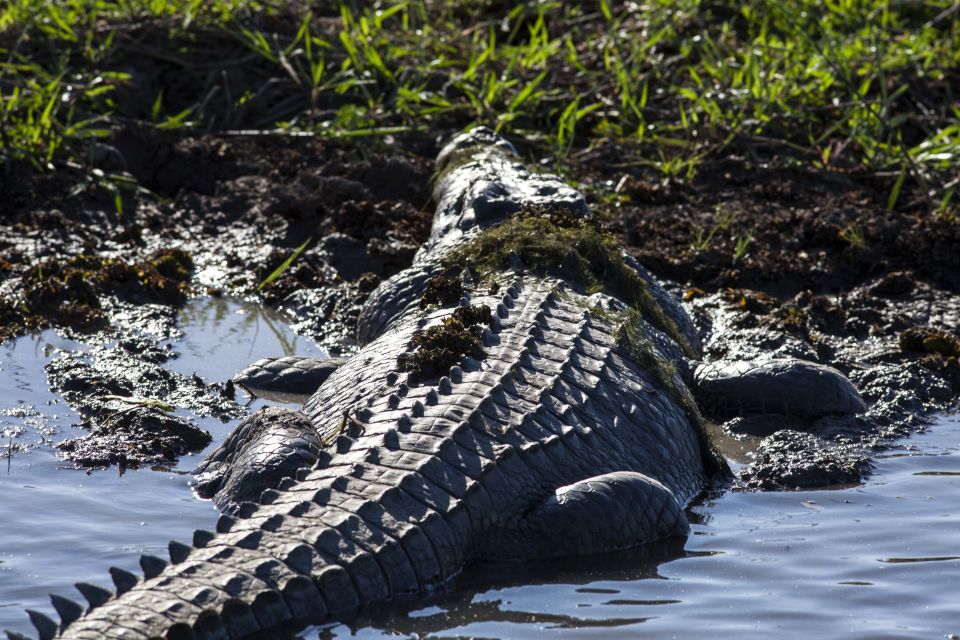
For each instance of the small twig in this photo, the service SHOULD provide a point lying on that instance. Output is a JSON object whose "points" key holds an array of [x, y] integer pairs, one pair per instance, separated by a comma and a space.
{"points": [[345, 419], [943, 15], [263, 133], [228, 96]]}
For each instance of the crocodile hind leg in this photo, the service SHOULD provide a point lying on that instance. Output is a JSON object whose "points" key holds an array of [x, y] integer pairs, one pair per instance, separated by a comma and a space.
{"points": [[287, 377], [604, 513], [773, 394]]}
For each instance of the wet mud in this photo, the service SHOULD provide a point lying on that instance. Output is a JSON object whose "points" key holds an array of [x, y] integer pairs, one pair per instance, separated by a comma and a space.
{"points": [[217, 216], [897, 351], [797, 264], [126, 397], [770, 263]]}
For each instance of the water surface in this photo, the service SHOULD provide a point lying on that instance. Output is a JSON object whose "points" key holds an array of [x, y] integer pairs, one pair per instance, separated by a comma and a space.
{"points": [[60, 525], [877, 561]]}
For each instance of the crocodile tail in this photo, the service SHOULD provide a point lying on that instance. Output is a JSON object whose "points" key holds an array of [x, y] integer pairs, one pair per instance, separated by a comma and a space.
{"points": [[338, 553]]}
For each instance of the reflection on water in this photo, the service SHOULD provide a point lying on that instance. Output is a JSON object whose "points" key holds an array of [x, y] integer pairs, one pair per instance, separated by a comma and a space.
{"points": [[880, 560], [223, 335]]}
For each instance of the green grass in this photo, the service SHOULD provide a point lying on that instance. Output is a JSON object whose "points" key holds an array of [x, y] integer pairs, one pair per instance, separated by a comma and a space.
{"points": [[851, 85]]}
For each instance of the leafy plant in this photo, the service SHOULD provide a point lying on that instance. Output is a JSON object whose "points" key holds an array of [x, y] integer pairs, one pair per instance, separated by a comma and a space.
{"points": [[743, 245], [852, 235]]}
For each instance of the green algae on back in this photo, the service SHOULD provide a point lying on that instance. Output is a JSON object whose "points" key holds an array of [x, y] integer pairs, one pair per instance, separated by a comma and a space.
{"points": [[442, 346], [931, 341], [935, 349], [443, 289], [632, 338], [558, 243]]}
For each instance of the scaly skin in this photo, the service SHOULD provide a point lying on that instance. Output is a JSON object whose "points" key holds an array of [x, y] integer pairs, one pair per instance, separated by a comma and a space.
{"points": [[556, 442], [442, 474]]}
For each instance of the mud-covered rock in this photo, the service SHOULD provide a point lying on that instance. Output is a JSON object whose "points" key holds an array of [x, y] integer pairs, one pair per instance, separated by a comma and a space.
{"points": [[348, 256], [239, 206], [135, 436], [69, 291], [794, 460], [125, 394], [329, 315], [902, 387]]}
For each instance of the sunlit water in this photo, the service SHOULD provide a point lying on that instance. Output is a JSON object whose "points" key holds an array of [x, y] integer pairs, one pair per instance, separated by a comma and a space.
{"points": [[877, 561]]}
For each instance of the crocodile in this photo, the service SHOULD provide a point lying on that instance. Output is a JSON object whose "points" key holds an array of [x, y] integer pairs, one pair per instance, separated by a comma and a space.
{"points": [[521, 413]]}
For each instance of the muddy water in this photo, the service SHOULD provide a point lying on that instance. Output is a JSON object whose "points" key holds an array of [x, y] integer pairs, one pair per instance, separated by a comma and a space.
{"points": [[878, 560]]}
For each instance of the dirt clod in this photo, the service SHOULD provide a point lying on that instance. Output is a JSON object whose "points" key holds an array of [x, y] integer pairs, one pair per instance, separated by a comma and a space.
{"points": [[136, 436]]}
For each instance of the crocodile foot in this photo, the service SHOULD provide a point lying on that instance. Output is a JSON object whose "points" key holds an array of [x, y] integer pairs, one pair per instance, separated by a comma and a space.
{"points": [[290, 377], [774, 394], [267, 447], [609, 512]]}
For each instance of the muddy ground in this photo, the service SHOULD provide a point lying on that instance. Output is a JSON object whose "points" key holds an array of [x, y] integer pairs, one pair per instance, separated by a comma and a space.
{"points": [[770, 261]]}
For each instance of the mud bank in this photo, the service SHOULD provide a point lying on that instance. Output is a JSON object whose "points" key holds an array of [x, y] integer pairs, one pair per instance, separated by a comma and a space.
{"points": [[769, 262]]}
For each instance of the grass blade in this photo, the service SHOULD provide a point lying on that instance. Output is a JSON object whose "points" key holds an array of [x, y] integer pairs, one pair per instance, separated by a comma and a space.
{"points": [[279, 271]]}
